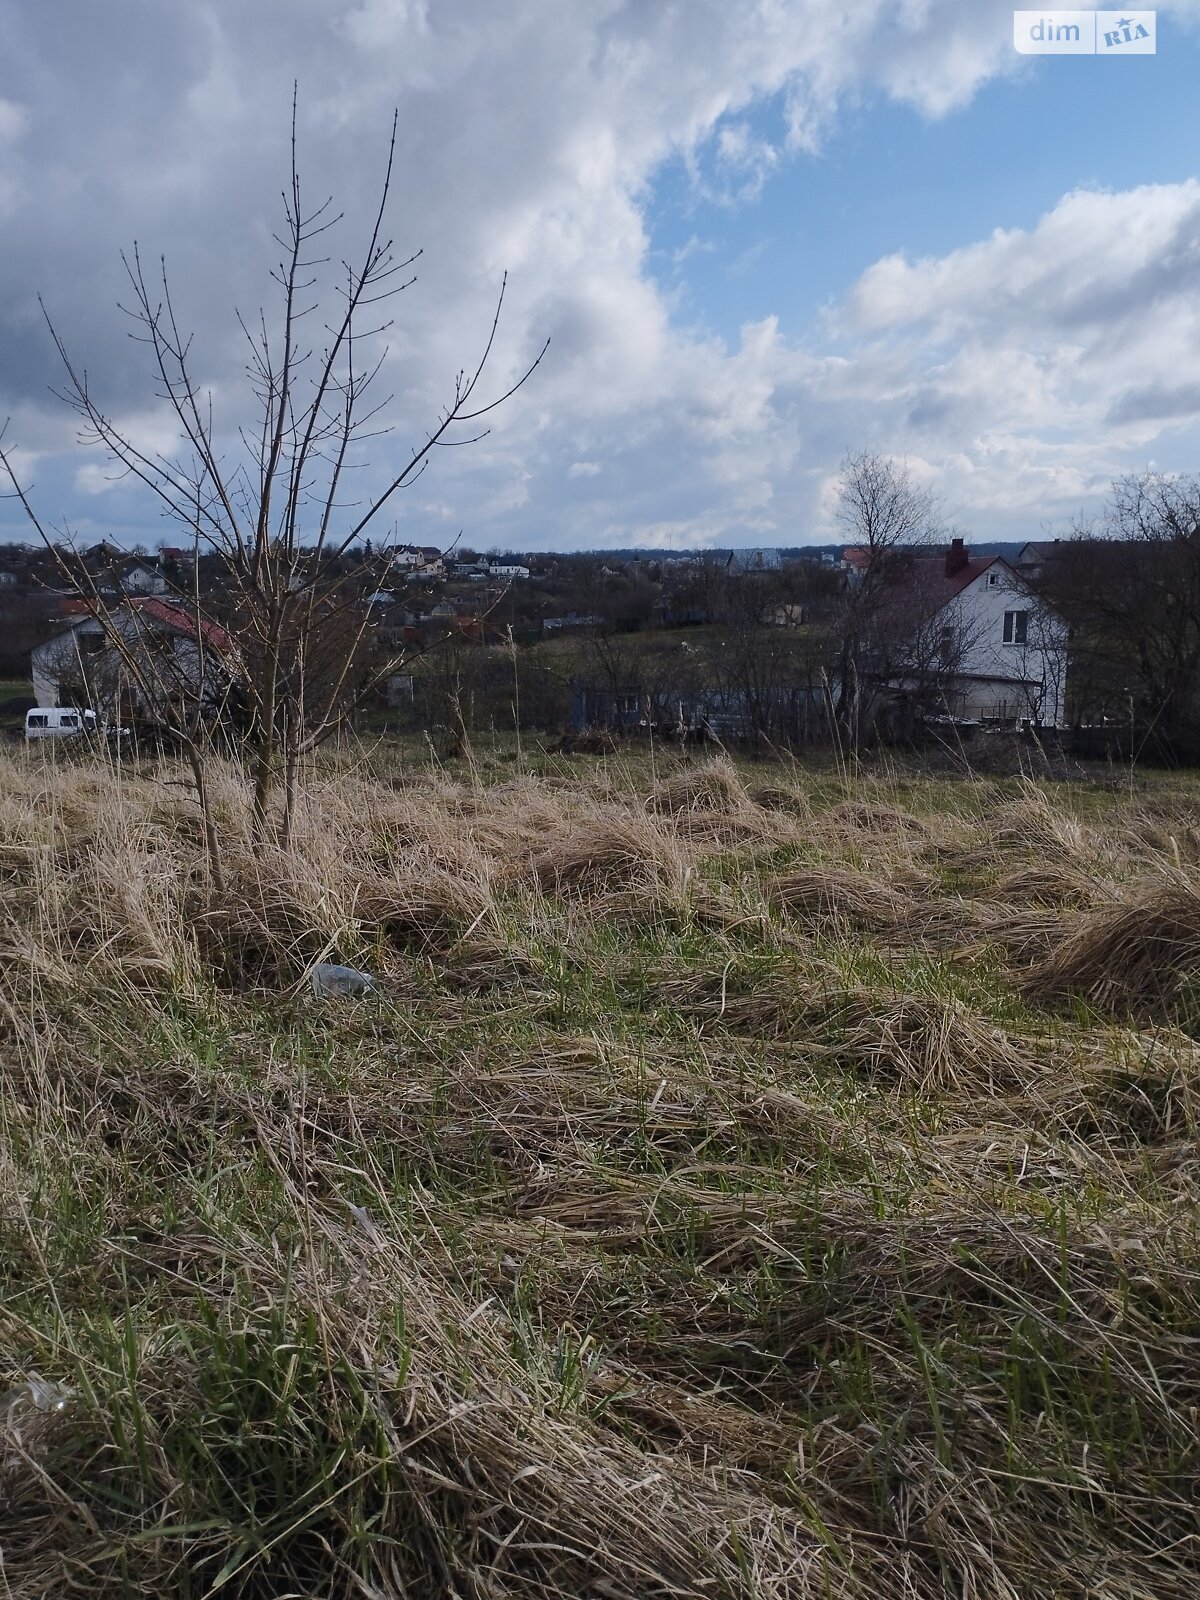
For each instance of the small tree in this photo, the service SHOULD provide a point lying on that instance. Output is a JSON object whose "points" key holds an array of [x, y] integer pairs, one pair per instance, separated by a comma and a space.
{"points": [[276, 519], [884, 516]]}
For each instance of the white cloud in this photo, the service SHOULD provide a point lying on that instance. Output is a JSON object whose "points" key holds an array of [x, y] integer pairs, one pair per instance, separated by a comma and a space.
{"points": [[529, 137], [92, 479], [13, 120]]}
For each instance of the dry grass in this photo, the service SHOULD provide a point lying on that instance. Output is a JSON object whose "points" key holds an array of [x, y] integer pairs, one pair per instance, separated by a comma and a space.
{"points": [[838, 895], [714, 786], [715, 1199], [613, 848], [1140, 956]]}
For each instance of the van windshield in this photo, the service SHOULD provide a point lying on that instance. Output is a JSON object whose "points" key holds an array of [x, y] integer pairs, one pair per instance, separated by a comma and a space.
{"points": [[37, 721]]}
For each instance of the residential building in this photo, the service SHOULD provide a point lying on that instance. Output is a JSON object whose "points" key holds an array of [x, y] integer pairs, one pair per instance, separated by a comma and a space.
{"points": [[416, 560], [132, 659], [974, 631], [140, 575], [1033, 558]]}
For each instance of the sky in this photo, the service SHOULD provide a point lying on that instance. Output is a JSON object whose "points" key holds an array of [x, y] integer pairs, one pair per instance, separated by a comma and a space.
{"points": [[759, 235]]}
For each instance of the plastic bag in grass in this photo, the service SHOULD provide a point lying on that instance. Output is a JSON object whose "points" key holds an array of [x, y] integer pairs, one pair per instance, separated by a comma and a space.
{"points": [[329, 979], [38, 1394]]}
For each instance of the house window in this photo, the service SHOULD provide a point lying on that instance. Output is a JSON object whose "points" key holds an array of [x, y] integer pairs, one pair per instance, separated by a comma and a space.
{"points": [[1016, 627], [946, 643], [993, 580]]}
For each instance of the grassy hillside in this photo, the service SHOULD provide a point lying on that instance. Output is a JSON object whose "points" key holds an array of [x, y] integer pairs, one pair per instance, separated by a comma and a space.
{"points": [[743, 1183]]}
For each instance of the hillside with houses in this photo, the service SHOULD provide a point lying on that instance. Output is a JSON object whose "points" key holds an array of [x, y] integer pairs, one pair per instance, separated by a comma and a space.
{"points": [[899, 645]]}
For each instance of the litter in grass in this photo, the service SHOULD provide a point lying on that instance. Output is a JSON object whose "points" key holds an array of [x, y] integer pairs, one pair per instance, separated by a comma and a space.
{"points": [[330, 979]]}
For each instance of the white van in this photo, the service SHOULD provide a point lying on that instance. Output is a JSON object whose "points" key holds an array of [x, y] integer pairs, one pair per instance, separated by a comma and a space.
{"points": [[55, 722]]}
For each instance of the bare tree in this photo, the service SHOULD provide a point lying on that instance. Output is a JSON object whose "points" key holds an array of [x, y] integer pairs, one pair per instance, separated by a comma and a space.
{"points": [[1130, 588], [278, 520], [767, 674], [884, 516]]}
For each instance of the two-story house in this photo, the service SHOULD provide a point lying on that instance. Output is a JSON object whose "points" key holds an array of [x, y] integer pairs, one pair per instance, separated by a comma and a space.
{"points": [[974, 630]]}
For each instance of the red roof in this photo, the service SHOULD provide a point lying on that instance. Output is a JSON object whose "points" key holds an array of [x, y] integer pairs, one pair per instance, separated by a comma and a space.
{"points": [[180, 619], [921, 585], [930, 573]]}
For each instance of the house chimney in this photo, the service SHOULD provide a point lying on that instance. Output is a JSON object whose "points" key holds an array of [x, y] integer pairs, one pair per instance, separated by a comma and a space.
{"points": [[956, 558]]}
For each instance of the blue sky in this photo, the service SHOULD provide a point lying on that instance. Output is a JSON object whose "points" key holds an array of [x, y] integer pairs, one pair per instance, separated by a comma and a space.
{"points": [[758, 237], [889, 178]]}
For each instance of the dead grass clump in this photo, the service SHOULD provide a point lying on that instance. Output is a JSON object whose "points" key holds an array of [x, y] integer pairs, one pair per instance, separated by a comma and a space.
{"points": [[838, 894], [917, 1042], [909, 879], [277, 914], [873, 816], [1048, 884], [610, 849], [425, 909], [715, 786], [777, 797], [1035, 825], [1026, 934], [479, 963], [118, 911], [1119, 1094], [710, 805], [1139, 957], [927, 1045], [511, 822], [777, 1003]]}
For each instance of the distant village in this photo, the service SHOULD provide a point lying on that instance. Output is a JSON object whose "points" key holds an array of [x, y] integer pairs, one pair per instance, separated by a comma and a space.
{"points": [[769, 647]]}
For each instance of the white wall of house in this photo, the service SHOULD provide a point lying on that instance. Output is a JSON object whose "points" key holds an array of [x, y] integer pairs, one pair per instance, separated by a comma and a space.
{"points": [[80, 664], [61, 661], [1012, 650], [138, 579]]}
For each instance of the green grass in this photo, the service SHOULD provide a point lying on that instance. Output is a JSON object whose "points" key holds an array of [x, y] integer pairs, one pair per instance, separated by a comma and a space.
{"points": [[640, 1236]]}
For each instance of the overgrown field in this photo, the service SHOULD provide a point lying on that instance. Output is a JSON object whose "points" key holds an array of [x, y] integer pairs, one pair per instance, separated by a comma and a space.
{"points": [[742, 1183]]}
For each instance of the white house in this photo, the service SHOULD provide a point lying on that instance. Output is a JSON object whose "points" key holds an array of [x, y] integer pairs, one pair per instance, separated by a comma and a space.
{"points": [[417, 560], [138, 576], [996, 650], [132, 659], [507, 570]]}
